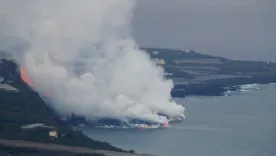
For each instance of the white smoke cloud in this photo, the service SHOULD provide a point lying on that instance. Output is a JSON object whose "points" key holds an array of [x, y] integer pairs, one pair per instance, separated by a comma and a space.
{"points": [[93, 37]]}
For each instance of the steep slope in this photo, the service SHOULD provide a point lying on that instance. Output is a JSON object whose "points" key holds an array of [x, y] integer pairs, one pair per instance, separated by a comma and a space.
{"points": [[26, 107]]}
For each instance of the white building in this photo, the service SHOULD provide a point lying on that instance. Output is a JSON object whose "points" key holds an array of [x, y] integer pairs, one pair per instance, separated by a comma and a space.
{"points": [[53, 133], [169, 74], [155, 52], [159, 61]]}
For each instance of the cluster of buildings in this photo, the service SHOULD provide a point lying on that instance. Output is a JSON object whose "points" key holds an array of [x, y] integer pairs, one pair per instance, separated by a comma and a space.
{"points": [[159, 61], [155, 53]]}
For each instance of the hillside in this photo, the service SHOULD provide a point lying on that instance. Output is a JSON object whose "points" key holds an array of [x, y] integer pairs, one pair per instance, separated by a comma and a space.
{"points": [[197, 74], [193, 74], [22, 106]]}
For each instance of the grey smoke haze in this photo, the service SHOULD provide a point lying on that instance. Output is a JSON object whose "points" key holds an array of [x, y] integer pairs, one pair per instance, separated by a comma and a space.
{"points": [[115, 78], [243, 29]]}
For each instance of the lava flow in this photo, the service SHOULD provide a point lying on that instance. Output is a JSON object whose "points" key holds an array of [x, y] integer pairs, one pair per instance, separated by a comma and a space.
{"points": [[24, 77]]}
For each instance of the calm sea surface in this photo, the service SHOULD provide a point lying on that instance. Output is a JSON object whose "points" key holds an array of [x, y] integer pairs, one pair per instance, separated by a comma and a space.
{"points": [[243, 124]]}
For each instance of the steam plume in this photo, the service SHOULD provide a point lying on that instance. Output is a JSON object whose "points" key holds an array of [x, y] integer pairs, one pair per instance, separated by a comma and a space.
{"points": [[81, 53]]}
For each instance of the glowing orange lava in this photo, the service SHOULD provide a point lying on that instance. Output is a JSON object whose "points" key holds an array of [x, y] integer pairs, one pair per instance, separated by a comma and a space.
{"points": [[24, 77]]}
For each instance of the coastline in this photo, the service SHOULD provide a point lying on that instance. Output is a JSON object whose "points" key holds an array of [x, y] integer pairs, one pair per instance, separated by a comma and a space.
{"points": [[26, 107], [193, 72], [218, 87]]}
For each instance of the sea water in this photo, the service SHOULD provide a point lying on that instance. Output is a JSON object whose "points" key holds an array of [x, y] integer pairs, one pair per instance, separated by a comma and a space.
{"points": [[237, 124]]}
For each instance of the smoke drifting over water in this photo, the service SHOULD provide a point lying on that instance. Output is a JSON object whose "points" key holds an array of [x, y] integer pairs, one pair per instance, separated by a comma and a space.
{"points": [[82, 55]]}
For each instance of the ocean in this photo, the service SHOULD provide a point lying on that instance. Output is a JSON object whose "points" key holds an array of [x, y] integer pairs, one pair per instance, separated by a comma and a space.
{"points": [[237, 124]]}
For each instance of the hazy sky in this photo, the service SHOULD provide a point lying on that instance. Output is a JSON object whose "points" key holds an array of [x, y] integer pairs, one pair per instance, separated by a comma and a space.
{"points": [[231, 28]]}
